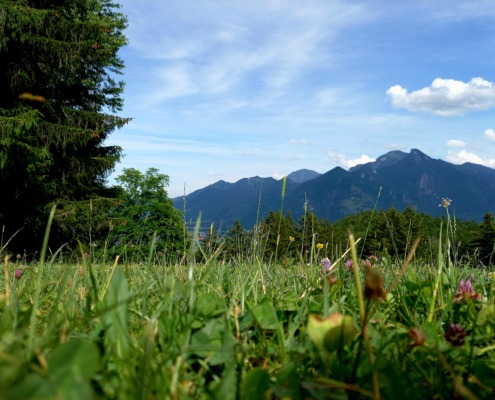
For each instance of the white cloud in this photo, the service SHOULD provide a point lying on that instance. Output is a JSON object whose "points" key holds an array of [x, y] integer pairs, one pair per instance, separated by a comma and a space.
{"points": [[343, 162], [297, 141], [277, 174], [464, 156], [455, 143], [489, 134], [446, 97]]}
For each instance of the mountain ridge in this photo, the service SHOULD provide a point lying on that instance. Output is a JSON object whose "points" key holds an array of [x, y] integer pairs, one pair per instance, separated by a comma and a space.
{"points": [[395, 179]]}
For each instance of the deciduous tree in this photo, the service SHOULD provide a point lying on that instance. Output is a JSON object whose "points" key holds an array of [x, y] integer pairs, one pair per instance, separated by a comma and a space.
{"points": [[146, 210]]}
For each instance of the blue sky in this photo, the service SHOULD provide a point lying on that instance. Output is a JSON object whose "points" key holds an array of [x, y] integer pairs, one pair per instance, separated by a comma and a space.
{"points": [[232, 89]]}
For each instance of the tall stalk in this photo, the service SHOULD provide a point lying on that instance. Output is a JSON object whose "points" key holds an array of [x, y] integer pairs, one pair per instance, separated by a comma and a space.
{"points": [[37, 288], [284, 182]]}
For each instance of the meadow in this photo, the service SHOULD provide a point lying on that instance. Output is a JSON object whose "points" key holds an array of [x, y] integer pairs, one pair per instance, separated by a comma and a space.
{"points": [[336, 325]]}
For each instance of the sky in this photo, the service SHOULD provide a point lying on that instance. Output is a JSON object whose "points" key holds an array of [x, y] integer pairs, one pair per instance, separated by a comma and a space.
{"points": [[228, 89]]}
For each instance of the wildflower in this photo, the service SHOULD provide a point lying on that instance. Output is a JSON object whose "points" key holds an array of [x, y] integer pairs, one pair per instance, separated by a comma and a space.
{"points": [[348, 264], [291, 238], [455, 335], [465, 291], [418, 337], [492, 275], [373, 259], [319, 246], [18, 273], [86, 255], [445, 203], [326, 264], [332, 280], [331, 333], [374, 284]]}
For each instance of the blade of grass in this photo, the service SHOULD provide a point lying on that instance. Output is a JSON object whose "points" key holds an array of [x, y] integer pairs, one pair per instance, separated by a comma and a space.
{"points": [[357, 278], [7, 284], [102, 295], [404, 267], [38, 274], [437, 278]]}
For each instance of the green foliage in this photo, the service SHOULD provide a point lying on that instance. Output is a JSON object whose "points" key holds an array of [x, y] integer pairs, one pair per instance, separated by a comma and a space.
{"points": [[237, 241], [138, 336], [144, 210], [278, 230], [486, 239], [72, 365], [58, 62], [86, 221]]}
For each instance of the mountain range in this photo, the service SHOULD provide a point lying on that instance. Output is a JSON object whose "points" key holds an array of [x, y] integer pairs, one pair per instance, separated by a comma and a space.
{"points": [[396, 179]]}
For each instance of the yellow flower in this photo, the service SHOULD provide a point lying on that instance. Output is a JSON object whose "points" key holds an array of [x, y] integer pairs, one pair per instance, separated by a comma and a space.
{"points": [[492, 275], [291, 238], [319, 246]]}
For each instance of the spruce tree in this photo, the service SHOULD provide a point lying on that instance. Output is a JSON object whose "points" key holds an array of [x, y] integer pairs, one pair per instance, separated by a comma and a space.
{"points": [[58, 99], [486, 239], [236, 244]]}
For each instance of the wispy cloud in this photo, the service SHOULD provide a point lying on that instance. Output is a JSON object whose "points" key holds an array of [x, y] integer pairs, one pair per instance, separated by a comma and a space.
{"points": [[154, 145], [455, 143], [298, 142], [446, 97], [267, 45]]}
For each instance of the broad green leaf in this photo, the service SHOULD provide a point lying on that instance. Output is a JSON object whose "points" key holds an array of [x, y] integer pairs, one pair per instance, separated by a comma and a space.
{"points": [[115, 315], [287, 385], [214, 342], [209, 305], [226, 387], [487, 313], [255, 384], [266, 315], [76, 359]]}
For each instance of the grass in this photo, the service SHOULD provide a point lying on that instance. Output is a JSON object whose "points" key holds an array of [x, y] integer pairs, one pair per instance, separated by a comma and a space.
{"points": [[239, 329]]}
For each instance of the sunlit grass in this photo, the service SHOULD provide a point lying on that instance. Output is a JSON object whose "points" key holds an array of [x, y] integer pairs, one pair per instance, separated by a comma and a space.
{"points": [[209, 327]]}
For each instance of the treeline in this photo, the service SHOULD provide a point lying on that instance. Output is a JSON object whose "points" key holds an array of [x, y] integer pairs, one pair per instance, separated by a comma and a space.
{"points": [[386, 232]]}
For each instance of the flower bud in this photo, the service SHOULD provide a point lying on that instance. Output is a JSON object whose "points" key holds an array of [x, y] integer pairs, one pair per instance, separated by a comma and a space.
{"points": [[331, 333]]}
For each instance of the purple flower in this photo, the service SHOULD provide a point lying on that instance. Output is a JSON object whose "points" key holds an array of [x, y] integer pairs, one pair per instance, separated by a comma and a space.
{"points": [[348, 264], [465, 291], [326, 264], [18, 273], [455, 335]]}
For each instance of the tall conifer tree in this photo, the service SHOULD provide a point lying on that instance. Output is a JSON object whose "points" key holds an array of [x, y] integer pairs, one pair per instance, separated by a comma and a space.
{"points": [[58, 98]]}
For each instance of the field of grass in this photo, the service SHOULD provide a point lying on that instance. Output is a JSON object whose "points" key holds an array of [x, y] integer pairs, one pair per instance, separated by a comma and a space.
{"points": [[246, 329]]}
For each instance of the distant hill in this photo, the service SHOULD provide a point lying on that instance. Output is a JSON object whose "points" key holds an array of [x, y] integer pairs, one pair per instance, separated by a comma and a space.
{"points": [[396, 179], [303, 175]]}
